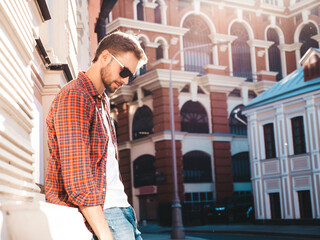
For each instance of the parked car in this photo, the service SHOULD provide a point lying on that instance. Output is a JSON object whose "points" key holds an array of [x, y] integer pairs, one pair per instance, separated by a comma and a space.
{"points": [[233, 209]]}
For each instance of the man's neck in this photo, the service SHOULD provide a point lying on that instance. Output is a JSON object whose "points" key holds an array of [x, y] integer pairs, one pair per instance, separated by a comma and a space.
{"points": [[93, 74]]}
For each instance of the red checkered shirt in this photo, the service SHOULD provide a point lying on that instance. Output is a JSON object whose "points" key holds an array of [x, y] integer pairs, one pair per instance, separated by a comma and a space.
{"points": [[77, 140]]}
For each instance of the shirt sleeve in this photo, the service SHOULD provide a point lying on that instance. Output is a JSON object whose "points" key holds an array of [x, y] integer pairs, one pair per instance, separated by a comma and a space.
{"points": [[72, 124]]}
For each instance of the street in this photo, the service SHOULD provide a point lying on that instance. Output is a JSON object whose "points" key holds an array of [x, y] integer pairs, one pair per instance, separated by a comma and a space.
{"points": [[219, 236], [223, 236]]}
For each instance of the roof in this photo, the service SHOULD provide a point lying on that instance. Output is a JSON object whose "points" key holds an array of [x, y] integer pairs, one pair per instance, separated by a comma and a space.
{"points": [[307, 55], [290, 86]]}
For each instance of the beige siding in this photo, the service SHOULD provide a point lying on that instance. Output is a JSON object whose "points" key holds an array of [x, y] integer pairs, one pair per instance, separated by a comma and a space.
{"points": [[16, 102]]}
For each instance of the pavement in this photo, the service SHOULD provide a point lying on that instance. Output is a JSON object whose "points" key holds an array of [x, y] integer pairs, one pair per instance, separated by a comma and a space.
{"points": [[155, 232]]}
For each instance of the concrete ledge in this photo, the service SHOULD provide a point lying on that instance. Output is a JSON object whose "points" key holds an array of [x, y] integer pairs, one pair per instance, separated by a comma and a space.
{"points": [[41, 221]]}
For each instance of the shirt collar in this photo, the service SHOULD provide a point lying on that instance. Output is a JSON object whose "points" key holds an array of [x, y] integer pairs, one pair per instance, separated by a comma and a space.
{"points": [[87, 83]]}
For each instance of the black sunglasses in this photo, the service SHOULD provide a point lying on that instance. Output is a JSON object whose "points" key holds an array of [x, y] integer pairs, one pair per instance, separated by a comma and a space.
{"points": [[125, 72]]}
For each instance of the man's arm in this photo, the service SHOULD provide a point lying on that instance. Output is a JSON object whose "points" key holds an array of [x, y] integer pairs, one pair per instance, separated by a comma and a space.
{"points": [[97, 221]]}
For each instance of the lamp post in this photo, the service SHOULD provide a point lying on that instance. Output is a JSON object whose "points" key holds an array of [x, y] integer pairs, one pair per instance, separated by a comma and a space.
{"points": [[177, 225]]}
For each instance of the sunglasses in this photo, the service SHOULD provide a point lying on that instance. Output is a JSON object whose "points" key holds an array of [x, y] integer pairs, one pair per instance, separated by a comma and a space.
{"points": [[125, 72]]}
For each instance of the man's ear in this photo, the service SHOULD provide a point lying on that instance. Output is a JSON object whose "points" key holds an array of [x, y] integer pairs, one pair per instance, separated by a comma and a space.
{"points": [[104, 55]]}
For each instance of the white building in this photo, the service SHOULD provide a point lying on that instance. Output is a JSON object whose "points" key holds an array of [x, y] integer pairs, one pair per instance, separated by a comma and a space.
{"points": [[284, 133], [42, 46]]}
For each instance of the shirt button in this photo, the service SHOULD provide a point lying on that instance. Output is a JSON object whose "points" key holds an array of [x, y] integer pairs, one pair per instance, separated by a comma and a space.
{"points": [[104, 174], [99, 96], [104, 189], [100, 109]]}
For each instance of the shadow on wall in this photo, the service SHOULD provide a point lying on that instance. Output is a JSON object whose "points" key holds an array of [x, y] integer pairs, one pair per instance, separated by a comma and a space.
{"points": [[41, 221]]}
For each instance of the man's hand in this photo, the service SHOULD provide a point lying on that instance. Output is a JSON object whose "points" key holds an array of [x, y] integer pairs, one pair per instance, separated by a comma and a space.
{"points": [[97, 221]]}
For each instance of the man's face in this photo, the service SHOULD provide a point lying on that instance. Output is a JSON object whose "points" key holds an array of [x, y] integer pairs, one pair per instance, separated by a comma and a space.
{"points": [[110, 72]]}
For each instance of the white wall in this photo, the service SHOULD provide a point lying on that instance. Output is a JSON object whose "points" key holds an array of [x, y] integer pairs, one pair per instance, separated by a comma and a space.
{"points": [[27, 87]]}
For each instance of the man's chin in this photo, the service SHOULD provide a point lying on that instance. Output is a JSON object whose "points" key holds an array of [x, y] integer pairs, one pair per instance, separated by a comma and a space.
{"points": [[111, 90]]}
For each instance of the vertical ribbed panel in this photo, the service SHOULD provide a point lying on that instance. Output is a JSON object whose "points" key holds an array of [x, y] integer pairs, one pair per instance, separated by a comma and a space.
{"points": [[16, 101]]}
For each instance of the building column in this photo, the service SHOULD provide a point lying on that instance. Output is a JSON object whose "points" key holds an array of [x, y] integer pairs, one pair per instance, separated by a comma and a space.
{"points": [[123, 132], [221, 149], [163, 148], [311, 120]]}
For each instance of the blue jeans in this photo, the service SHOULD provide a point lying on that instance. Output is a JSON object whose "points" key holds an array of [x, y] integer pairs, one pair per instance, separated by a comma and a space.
{"points": [[122, 223]]}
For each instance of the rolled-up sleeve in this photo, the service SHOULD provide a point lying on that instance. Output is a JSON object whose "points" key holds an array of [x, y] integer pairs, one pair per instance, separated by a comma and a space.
{"points": [[72, 125]]}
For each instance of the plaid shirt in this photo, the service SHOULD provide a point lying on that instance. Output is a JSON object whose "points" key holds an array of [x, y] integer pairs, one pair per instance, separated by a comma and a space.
{"points": [[77, 140]]}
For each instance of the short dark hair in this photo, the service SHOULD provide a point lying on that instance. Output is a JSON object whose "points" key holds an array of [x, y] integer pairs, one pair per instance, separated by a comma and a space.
{"points": [[121, 42]]}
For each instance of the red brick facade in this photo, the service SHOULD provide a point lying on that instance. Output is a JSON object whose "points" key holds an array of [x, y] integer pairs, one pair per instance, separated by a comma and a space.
{"points": [[164, 167], [211, 90], [221, 150]]}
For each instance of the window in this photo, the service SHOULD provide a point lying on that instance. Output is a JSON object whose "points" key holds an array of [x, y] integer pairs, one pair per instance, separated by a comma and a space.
{"points": [[144, 171], [159, 52], [251, 94], [142, 124], [237, 121], [269, 142], [146, 92], [157, 13], [315, 11], [299, 144], [305, 38], [274, 53], [197, 167], [241, 59], [194, 118], [195, 59], [241, 167], [235, 93], [140, 11], [196, 197]]}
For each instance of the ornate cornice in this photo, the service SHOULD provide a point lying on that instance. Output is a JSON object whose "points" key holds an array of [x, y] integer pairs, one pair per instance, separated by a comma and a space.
{"points": [[260, 43], [220, 83], [160, 78], [290, 47], [124, 94], [222, 37], [147, 26]]}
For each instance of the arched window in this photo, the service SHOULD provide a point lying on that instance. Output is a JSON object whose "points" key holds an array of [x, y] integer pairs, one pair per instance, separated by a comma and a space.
{"points": [[144, 171], [237, 121], [157, 13], [159, 51], [197, 167], [142, 125], [241, 60], [241, 167], [306, 33], [195, 59], [194, 118], [140, 11], [274, 53]]}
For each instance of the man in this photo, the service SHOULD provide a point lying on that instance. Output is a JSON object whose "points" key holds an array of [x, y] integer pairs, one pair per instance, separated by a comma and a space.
{"points": [[83, 170]]}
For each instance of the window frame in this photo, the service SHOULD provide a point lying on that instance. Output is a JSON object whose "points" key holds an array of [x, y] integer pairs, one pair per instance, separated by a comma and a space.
{"points": [[301, 135], [272, 142]]}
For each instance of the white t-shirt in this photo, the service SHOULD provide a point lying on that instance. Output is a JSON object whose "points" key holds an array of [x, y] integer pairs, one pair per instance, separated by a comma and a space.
{"points": [[115, 195]]}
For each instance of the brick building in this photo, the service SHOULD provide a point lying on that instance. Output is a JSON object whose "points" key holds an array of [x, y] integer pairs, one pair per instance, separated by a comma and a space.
{"points": [[263, 42]]}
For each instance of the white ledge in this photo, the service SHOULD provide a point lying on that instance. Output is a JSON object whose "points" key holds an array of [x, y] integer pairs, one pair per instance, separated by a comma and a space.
{"points": [[147, 26]]}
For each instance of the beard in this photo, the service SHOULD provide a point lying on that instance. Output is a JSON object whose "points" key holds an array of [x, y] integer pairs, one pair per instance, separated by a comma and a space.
{"points": [[106, 78]]}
